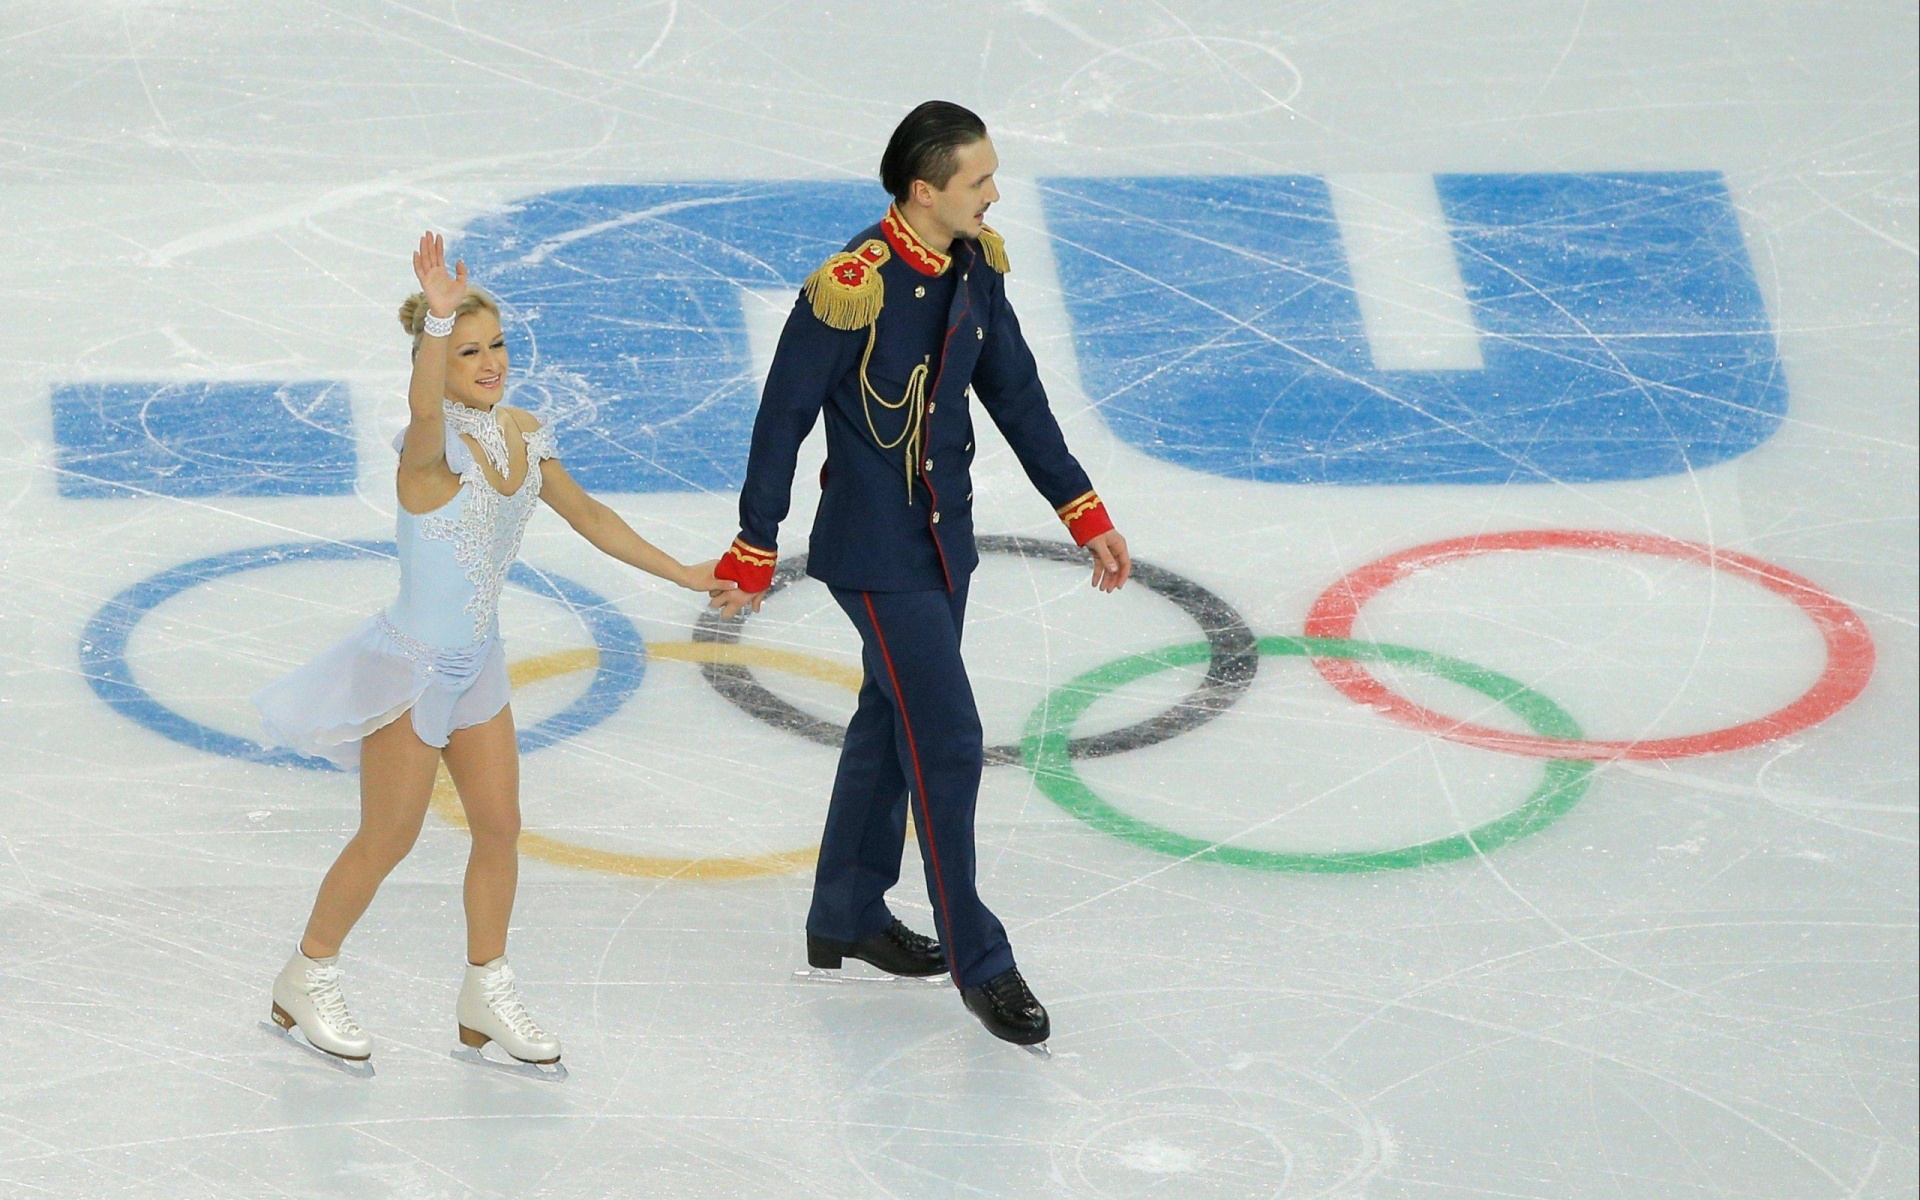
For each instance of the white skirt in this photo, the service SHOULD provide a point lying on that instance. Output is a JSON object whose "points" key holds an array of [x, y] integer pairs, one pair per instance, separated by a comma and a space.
{"points": [[370, 678]]}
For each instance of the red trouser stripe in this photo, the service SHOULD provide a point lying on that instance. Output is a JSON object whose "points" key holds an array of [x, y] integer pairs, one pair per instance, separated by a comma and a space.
{"points": [[919, 783]]}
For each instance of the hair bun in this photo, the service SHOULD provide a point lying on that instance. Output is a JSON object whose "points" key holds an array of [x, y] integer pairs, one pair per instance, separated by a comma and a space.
{"points": [[412, 312]]}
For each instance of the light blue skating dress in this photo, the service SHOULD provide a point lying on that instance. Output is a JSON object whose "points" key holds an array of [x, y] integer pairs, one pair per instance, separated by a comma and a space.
{"points": [[436, 650]]}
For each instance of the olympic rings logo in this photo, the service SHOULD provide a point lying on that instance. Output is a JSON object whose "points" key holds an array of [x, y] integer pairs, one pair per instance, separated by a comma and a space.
{"points": [[1048, 747]]}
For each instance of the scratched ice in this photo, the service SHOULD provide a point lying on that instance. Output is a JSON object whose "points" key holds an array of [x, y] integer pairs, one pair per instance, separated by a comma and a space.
{"points": [[1613, 303]]}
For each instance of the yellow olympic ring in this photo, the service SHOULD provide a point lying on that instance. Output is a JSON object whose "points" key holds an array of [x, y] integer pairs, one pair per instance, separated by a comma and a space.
{"points": [[446, 800]]}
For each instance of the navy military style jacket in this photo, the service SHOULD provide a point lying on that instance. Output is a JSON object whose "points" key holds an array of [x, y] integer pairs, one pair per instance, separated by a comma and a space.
{"points": [[887, 339]]}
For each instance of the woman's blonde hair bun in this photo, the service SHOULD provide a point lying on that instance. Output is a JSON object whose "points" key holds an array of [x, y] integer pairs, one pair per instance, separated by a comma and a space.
{"points": [[413, 311]]}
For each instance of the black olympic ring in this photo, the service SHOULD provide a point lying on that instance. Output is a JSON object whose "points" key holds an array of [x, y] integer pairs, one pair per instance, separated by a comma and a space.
{"points": [[1234, 659]]}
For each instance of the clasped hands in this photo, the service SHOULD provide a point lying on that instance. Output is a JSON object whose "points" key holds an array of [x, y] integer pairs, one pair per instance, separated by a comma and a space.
{"points": [[1112, 566], [731, 601]]}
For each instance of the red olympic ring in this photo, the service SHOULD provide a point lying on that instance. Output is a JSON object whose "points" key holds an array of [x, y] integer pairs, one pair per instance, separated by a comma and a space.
{"points": [[1849, 648]]}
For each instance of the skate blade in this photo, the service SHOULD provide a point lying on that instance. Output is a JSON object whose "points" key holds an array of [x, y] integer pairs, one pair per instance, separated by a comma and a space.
{"points": [[358, 1068], [1039, 1050], [822, 975], [545, 1072]]}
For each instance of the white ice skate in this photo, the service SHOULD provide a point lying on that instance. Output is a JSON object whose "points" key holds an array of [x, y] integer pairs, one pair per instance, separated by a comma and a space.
{"points": [[307, 997], [490, 1010]]}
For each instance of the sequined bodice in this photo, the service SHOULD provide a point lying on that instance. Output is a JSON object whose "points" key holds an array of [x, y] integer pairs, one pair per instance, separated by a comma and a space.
{"points": [[454, 560]]}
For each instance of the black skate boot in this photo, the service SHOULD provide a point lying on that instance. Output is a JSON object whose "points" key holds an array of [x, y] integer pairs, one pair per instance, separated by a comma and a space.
{"points": [[1008, 1010], [896, 950]]}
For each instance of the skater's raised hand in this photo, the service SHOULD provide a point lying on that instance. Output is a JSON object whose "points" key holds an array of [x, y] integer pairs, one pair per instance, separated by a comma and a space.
{"points": [[425, 483], [443, 291]]}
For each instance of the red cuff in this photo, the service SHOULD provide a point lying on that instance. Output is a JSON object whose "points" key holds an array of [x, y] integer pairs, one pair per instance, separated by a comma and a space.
{"points": [[1085, 518], [748, 566]]}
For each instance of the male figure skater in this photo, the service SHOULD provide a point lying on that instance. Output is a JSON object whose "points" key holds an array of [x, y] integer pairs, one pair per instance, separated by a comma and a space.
{"points": [[887, 337]]}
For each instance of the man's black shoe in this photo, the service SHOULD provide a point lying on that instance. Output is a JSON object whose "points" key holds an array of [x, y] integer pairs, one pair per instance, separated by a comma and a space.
{"points": [[896, 950], [1008, 1010]]}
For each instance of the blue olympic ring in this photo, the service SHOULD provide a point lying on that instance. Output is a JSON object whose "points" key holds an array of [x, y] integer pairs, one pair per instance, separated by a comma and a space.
{"points": [[103, 649]]}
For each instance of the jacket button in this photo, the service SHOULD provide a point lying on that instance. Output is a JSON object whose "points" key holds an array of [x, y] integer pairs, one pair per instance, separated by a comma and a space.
{"points": [[929, 464], [936, 518], [929, 408], [979, 334], [920, 293]]}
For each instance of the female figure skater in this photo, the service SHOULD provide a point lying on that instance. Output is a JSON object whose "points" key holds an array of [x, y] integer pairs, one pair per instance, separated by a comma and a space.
{"points": [[470, 471]]}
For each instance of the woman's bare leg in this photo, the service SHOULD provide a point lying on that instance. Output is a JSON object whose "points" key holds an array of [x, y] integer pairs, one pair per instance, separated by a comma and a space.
{"points": [[484, 760], [396, 781]]}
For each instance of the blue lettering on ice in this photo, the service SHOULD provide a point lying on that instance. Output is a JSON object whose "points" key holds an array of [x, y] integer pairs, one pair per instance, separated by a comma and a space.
{"points": [[1214, 319], [625, 316], [204, 439], [1622, 330]]}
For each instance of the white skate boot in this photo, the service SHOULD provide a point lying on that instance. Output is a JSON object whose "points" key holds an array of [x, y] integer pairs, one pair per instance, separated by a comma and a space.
{"points": [[490, 1010], [306, 996]]}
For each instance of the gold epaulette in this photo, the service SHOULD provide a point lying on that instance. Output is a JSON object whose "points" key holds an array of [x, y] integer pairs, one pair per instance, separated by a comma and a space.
{"points": [[846, 292], [993, 248]]}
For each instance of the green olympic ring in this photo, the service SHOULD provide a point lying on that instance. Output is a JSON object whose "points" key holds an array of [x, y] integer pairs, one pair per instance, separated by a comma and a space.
{"points": [[1044, 749]]}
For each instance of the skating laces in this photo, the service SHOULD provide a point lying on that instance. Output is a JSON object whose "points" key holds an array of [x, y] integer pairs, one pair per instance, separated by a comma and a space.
{"points": [[504, 999], [323, 988], [1011, 991], [901, 936]]}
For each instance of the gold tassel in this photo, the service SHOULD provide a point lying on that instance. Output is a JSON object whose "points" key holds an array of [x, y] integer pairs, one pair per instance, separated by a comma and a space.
{"points": [[847, 292], [993, 248]]}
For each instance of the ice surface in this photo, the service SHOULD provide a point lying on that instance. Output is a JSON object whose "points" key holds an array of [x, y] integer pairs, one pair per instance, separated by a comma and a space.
{"points": [[1309, 285]]}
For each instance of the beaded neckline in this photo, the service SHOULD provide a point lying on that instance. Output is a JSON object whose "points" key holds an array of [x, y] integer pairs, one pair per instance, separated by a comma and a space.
{"points": [[482, 428]]}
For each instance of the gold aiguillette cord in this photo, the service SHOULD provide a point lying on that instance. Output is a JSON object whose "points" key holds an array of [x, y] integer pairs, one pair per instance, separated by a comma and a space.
{"points": [[913, 400]]}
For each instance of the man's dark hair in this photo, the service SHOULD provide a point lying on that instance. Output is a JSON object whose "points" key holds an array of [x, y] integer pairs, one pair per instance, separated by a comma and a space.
{"points": [[924, 145]]}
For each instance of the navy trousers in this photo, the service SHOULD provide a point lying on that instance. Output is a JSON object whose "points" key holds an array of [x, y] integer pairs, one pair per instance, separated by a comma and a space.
{"points": [[915, 739]]}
